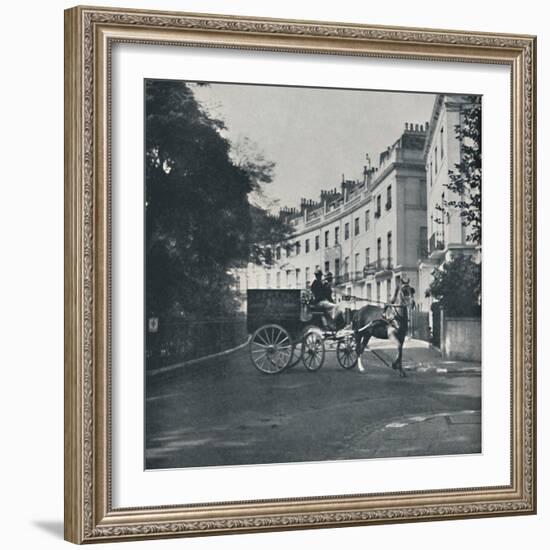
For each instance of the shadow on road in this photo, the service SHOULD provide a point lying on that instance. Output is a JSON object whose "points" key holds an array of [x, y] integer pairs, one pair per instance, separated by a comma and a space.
{"points": [[225, 412]]}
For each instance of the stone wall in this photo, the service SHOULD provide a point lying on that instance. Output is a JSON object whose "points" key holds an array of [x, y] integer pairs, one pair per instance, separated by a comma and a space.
{"points": [[461, 338]]}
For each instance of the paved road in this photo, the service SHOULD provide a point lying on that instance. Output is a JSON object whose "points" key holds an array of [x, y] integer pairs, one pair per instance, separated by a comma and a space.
{"points": [[224, 411]]}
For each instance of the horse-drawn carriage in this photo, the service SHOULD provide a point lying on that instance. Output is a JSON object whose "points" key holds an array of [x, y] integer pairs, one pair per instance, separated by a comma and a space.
{"points": [[285, 329]]}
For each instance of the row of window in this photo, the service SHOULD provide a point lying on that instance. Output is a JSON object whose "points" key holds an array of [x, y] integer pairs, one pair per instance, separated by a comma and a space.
{"points": [[296, 248], [293, 280], [436, 157], [389, 245], [346, 266]]}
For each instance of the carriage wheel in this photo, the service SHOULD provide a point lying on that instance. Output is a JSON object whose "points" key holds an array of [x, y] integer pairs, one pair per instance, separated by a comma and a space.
{"points": [[296, 357], [346, 352], [313, 350], [270, 349]]}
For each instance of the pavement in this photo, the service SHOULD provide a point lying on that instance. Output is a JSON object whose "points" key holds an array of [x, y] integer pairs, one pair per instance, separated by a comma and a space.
{"points": [[438, 434], [223, 411], [419, 356], [421, 435]]}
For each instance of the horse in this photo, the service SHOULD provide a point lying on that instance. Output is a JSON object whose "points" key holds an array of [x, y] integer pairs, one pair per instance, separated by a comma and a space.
{"points": [[387, 323]]}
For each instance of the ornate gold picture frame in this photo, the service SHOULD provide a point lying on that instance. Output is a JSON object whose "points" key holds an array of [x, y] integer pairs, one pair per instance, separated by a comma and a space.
{"points": [[90, 35]]}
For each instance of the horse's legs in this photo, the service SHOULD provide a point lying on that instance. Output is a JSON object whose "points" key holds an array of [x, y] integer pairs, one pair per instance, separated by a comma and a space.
{"points": [[396, 363], [361, 343], [401, 371], [359, 350]]}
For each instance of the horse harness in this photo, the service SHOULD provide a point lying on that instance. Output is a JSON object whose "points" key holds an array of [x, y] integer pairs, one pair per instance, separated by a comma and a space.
{"points": [[393, 321]]}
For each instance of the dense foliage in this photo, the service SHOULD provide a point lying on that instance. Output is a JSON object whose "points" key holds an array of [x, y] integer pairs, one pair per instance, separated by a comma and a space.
{"points": [[199, 218], [457, 286]]}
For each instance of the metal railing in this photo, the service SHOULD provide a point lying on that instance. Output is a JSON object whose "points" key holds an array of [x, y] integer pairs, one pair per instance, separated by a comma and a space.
{"points": [[384, 264], [422, 250], [369, 268], [178, 341], [436, 242], [380, 265]]}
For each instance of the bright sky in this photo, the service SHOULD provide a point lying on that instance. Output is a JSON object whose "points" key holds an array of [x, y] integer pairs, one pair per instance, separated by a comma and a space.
{"points": [[313, 135]]}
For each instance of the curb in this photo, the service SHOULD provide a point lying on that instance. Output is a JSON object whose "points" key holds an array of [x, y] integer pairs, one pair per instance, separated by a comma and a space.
{"points": [[223, 353], [442, 368]]}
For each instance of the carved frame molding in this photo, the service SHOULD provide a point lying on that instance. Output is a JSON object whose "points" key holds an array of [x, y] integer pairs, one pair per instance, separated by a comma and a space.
{"points": [[89, 35]]}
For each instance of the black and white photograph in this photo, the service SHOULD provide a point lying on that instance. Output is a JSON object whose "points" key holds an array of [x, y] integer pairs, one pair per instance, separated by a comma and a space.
{"points": [[313, 264], [252, 297]]}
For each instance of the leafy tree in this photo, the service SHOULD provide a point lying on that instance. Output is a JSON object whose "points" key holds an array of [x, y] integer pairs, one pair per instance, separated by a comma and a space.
{"points": [[465, 177], [457, 286], [199, 219], [245, 155]]}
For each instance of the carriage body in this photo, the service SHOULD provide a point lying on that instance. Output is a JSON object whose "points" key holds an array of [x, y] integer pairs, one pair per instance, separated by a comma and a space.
{"points": [[277, 306], [285, 329]]}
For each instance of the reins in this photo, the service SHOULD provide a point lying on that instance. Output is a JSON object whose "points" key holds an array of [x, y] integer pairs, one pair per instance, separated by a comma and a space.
{"points": [[350, 297]]}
